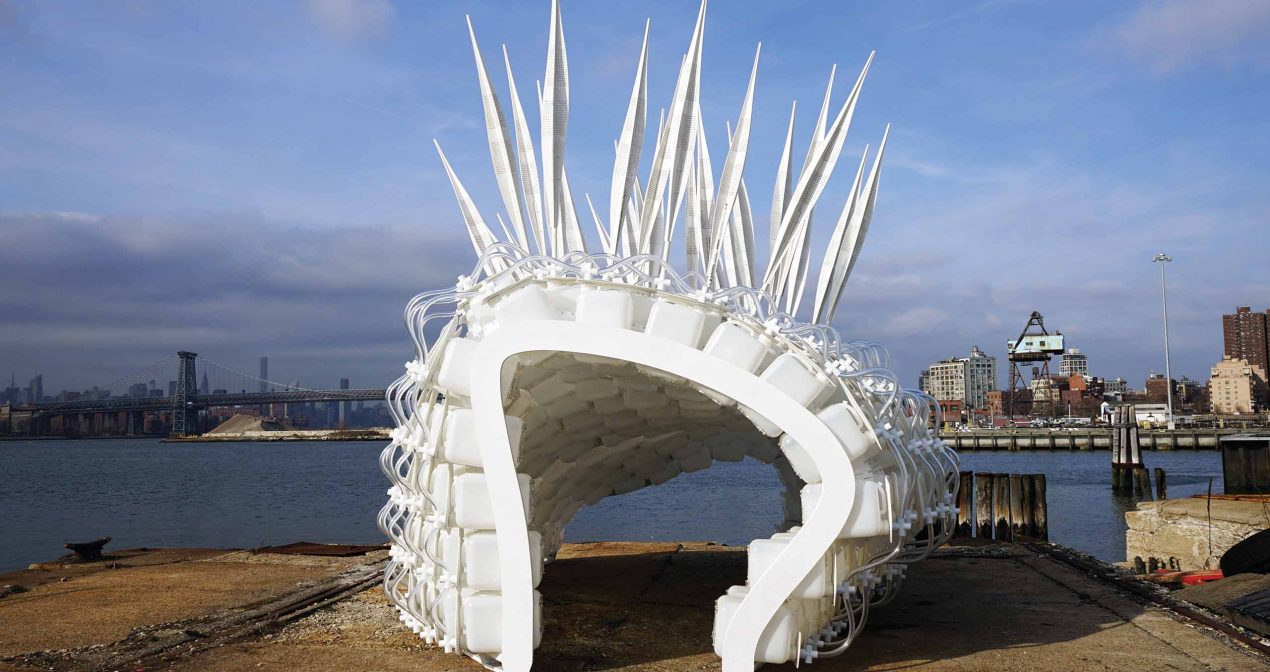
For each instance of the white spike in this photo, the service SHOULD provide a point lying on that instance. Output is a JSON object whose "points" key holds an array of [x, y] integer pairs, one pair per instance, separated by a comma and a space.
{"points": [[626, 160], [573, 240], [733, 167], [743, 240], [860, 224], [555, 118], [796, 282], [812, 182], [784, 181], [674, 142], [503, 225], [692, 221], [477, 231], [818, 133], [606, 241], [530, 189], [499, 144], [838, 254]]}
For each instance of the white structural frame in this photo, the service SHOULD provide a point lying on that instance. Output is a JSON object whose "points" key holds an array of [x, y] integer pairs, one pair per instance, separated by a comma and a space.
{"points": [[549, 379], [818, 533]]}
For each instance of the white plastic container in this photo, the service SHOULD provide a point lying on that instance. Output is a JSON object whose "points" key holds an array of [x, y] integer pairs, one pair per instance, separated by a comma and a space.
{"points": [[763, 552], [481, 568], [676, 322], [461, 445], [472, 507], [525, 304], [606, 308]]}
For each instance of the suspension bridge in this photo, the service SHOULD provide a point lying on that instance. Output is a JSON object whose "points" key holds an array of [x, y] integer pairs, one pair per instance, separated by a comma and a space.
{"points": [[121, 406]]}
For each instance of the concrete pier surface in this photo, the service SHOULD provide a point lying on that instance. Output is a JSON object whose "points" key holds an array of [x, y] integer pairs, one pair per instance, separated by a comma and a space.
{"points": [[608, 606]]}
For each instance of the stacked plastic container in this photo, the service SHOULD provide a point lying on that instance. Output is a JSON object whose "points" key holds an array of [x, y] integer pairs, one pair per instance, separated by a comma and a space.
{"points": [[584, 427]]}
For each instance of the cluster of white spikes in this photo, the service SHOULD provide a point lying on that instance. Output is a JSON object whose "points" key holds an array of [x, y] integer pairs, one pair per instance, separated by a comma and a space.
{"points": [[643, 215]]}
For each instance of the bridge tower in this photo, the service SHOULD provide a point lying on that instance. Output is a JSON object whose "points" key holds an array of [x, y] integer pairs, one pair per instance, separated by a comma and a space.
{"points": [[184, 417]]}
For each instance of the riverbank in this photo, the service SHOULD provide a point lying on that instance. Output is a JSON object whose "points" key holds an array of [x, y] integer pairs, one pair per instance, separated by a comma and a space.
{"points": [[266, 436], [638, 607]]}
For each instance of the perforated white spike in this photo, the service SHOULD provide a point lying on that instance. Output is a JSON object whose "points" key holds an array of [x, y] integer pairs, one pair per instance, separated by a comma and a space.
{"points": [[531, 190], [733, 167], [573, 241], [860, 225], [499, 144], [838, 254], [554, 106], [812, 181], [784, 181], [626, 159], [477, 231], [675, 141]]}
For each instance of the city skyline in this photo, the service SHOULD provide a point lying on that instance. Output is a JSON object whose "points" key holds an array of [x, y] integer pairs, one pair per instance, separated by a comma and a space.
{"points": [[265, 184]]}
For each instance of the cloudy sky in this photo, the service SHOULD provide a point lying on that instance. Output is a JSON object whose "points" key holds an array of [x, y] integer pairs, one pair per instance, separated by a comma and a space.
{"points": [[245, 179]]}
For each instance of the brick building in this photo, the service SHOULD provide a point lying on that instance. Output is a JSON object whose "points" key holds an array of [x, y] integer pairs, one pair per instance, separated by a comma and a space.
{"points": [[1245, 337]]}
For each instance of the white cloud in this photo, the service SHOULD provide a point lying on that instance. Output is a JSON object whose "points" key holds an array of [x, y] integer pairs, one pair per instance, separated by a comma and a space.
{"points": [[352, 19], [919, 320], [1177, 34]]}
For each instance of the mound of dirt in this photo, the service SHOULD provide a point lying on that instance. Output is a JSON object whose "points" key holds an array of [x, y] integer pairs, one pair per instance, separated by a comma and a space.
{"points": [[250, 423]]}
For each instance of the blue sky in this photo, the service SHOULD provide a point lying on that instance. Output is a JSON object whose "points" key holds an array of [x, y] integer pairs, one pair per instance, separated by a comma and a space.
{"points": [[248, 179]]}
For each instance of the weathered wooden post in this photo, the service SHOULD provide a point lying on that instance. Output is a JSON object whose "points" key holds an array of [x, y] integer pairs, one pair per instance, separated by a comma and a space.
{"points": [[1135, 450], [1117, 448], [1042, 508], [1142, 482], [965, 505], [1029, 505], [983, 505], [1161, 490], [1016, 506], [1001, 506]]}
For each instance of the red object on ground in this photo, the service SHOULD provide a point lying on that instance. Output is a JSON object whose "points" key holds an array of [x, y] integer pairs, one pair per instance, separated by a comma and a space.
{"points": [[1196, 578]]}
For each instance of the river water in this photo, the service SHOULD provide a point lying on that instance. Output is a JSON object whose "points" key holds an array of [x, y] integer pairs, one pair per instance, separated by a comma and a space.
{"points": [[145, 493]]}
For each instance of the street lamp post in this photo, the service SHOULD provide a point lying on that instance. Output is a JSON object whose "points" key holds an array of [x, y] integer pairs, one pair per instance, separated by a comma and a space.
{"points": [[1163, 259]]}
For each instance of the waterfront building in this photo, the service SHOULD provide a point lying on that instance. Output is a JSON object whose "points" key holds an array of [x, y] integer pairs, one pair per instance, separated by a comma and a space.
{"points": [[1236, 387], [1246, 336], [1117, 386], [967, 379], [1049, 390], [1074, 363], [1157, 388]]}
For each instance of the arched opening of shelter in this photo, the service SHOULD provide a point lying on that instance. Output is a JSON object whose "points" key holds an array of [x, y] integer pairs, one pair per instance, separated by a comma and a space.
{"points": [[595, 427]]}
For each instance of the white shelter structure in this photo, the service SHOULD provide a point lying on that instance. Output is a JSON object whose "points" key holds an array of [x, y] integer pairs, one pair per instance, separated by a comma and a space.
{"points": [[557, 376]]}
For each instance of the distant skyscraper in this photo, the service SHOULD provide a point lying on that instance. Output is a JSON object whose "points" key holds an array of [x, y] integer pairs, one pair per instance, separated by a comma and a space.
{"points": [[1074, 362], [1245, 337], [13, 393], [204, 388], [264, 374], [35, 391]]}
